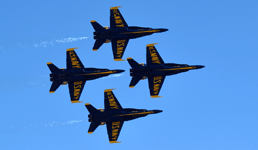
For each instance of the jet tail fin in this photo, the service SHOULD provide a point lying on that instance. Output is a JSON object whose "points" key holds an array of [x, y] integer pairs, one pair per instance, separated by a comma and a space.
{"points": [[132, 62], [97, 27], [97, 44], [54, 86], [134, 81], [52, 67], [91, 109], [93, 127]]}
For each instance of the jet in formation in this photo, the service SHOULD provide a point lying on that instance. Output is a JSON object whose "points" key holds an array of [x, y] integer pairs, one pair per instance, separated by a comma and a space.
{"points": [[155, 70], [113, 115], [119, 33], [75, 75]]}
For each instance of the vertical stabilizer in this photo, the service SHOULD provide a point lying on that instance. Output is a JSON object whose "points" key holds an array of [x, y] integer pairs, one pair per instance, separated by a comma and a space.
{"points": [[97, 27], [91, 109], [97, 44], [93, 127], [54, 86], [132, 62], [134, 81], [52, 67]]}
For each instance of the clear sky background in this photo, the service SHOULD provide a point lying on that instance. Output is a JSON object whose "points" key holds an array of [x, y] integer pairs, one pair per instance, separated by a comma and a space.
{"points": [[214, 108]]}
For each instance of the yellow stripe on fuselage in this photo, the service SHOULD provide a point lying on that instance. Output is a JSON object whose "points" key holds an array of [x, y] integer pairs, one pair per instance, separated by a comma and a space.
{"points": [[96, 73], [184, 68], [141, 113], [152, 31]]}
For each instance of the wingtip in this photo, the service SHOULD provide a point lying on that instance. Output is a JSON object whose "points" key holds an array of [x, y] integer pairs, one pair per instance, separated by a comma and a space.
{"points": [[111, 142], [116, 7], [149, 45], [108, 90], [87, 104], [90, 132], [92, 21], [76, 101], [71, 49], [129, 58], [131, 86], [156, 96], [119, 59], [49, 63], [95, 49], [51, 91]]}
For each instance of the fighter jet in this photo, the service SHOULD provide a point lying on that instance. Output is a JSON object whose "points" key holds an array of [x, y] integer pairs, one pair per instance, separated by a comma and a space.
{"points": [[119, 33], [155, 70], [75, 75], [113, 116]]}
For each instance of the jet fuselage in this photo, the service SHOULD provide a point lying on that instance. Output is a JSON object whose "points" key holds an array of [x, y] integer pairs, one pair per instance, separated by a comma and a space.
{"points": [[120, 115], [125, 33], [162, 69], [66, 75]]}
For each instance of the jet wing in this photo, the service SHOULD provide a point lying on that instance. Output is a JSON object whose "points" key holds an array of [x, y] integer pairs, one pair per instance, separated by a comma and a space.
{"points": [[113, 129], [155, 84], [110, 101], [152, 55], [72, 60], [75, 90], [118, 47], [116, 18]]}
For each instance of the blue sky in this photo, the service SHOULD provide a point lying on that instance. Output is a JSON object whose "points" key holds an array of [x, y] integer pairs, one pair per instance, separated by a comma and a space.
{"points": [[212, 108]]}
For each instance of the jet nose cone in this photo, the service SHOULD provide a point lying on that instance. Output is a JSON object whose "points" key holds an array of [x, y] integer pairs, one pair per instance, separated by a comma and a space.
{"points": [[199, 66], [119, 71], [157, 111], [163, 30]]}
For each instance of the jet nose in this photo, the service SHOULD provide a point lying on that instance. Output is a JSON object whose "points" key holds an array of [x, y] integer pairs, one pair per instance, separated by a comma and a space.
{"points": [[119, 71], [163, 30], [199, 66], [157, 111]]}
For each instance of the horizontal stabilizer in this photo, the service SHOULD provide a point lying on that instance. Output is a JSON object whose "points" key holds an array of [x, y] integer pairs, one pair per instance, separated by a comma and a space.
{"points": [[134, 81], [93, 127], [97, 27], [54, 86], [132, 62], [91, 109], [98, 44], [52, 67]]}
